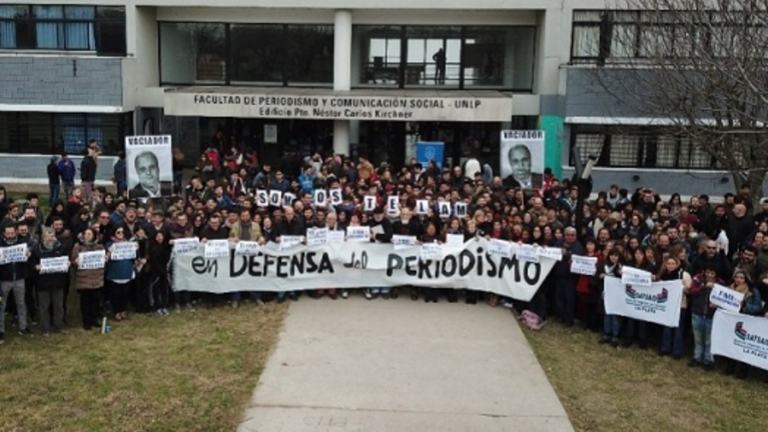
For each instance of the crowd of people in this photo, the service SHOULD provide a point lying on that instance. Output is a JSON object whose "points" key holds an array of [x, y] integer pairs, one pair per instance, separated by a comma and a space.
{"points": [[696, 242]]}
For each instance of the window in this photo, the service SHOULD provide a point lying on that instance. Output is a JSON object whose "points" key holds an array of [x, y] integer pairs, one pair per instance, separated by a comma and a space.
{"points": [[308, 54], [193, 53], [499, 57], [46, 133], [57, 27], [257, 54]]}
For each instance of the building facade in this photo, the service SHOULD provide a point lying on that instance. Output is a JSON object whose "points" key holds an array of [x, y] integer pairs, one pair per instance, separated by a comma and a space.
{"points": [[358, 77]]}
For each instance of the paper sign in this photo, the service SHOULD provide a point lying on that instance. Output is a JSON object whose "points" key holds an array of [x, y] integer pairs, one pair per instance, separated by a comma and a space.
{"points": [[290, 241], [247, 248], [13, 254], [444, 209], [123, 251], [369, 203], [262, 198], [336, 237], [583, 265], [336, 197], [726, 298], [403, 241], [54, 265], [550, 252], [320, 197], [500, 248], [633, 276], [317, 236], [422, 207], [185, 245], [454, 240], [288, 199], [216, 248], [275, 198], [461, 210], [91, 260], [392, 204], [527, 253], [358, 234], [431, 251]]}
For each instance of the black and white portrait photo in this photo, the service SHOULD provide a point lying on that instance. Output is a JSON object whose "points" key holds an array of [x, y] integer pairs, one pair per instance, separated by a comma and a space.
{"points": [[522, 158], [149, 166]]}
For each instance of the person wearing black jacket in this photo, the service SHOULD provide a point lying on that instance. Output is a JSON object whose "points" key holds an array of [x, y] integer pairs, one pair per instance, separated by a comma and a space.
{"points": [[407, 226], [54, 182], [12, 280], [289, 226], [88, 170], [50, 286], [381, 232]]}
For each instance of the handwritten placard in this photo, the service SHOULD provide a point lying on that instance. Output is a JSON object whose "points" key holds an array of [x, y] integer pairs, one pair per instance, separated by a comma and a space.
{"points": [[184, 245], [54, 265], [336, 237], [726, 298], [403, 241], [583, 265], [216, 248], [91, 260], [527, 253], [358, 234], [550, 252], [317, 236], [13, 254], [454, 240], [123, 251], [287, 241], [247, 248], [431, 252], [634, 276]]}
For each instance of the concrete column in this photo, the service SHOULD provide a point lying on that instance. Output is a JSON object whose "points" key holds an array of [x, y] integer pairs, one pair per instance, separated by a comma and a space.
{"points": [[342, 69]]}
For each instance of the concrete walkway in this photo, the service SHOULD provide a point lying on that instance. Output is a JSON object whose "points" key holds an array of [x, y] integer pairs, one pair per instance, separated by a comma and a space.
{"points": [[400, 365]]}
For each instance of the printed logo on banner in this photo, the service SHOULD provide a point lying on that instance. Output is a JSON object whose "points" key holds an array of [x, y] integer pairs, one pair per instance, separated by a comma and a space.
{"points": [[275, 197], [336, 197], [422, 207], [320, 197], [647, 302], [262, 198], [751, 343], [740, 337]]}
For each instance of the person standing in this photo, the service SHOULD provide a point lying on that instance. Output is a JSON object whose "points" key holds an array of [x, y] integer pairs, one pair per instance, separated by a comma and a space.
{"points": [[120, 175], [67, 173], [672, 337], [120, 273], [12, 280], [88, 282], [50, 286], [439, 59], [54, 183], [178, 171], [703, 312], [88, 169]]}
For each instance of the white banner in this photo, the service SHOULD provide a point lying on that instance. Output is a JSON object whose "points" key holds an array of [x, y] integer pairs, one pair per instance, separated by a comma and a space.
{"points": [[216, 248], [633, 276], [360, 265], [13, 254], [403, 241], [54, 265], [148, 163], [123, 251], [527, 253], [185, 245], [583, 265], [91, 260], [247, 248], [741, 337], [317, 236], [726, 298], [657, 303]]}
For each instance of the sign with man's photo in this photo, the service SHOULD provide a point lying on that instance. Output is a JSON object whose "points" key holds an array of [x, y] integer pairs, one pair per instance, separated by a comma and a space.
{"points": [[149, 166], [522, 158]]}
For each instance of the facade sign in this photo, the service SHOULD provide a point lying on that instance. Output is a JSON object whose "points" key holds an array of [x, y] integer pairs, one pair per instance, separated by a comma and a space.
{"points": [[325, 105]]}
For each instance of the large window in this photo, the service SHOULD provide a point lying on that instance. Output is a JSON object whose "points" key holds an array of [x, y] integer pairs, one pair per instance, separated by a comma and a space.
{"points": [[56, 27], [446, 57], [46, 133], [265, 54], [655, 147]]}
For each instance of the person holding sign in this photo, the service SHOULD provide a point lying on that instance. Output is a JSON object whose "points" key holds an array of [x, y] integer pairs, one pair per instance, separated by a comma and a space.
{"points": [[245, 230], [290, 226], [120, 272], [381, 232], [672, 337], [565, 281], [702, 312], [50, 286], [586, 299], [611, 323], [88, 282], [406, 225], [433, 294], [12, 280], [751, 305], [158, 257]]}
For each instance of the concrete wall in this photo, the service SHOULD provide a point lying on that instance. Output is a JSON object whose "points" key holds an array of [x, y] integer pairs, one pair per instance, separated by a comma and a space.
{"points": [[32, 168], [38, 80]]}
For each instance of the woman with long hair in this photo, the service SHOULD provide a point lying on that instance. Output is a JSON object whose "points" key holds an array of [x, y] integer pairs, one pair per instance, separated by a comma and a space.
{"points": [[611, 323], [672, 337], [88, 282], [158, 257], [120, 273]]}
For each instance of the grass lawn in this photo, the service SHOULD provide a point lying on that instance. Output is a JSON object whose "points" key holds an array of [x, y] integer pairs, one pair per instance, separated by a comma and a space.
{"points": [[187, 372], [628, 389]]}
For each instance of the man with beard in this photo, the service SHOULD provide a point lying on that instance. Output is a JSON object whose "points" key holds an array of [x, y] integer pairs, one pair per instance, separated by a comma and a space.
{"points": [[130, 221], [12, 281], [50, 286]]}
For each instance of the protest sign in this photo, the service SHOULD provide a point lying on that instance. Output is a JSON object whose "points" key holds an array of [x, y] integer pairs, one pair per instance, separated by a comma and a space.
{"points": [[461, 210], [369, 203], [527, 253], [320, 197], [554, 253], [726, 298], [403, 241], [123, 251], [583, 265], [54, 265], [183, 245], [741, 337], [337, 198], [634, 276], [216, 248], [287, 241], [288, 199], [454, 240], [247, 248], [658, 302], [444, 209], [275, 198], [317, 236], [91, 260], [422, 207], [13, 254], [358, 234], [430, 252], [500, 248], [336, 237], [393, 205], [262, 198]]}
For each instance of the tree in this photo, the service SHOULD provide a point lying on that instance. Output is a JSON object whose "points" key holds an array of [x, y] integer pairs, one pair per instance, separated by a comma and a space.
{"points": [[699, 68]]}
